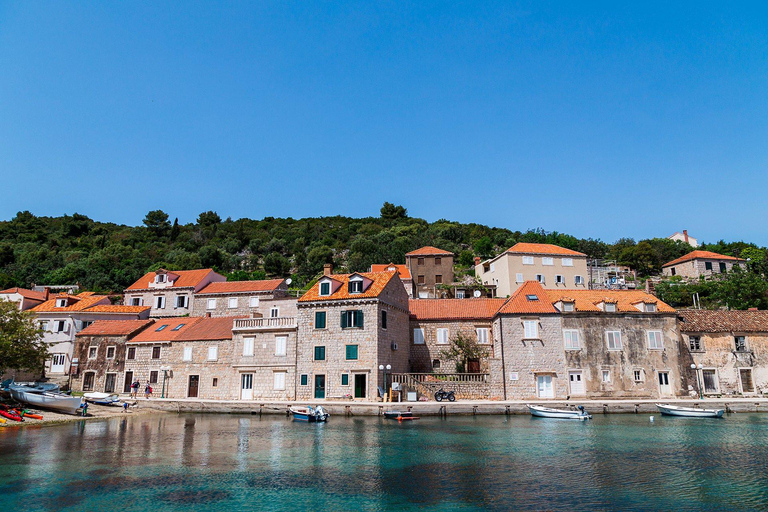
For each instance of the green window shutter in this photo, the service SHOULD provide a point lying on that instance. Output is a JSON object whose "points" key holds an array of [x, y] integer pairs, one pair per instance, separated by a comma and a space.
{"points": [[304, 379], [344, 320], [359, 318], [352, 352], [383, 319], [345, 379], [320, 320], [319, 353]]}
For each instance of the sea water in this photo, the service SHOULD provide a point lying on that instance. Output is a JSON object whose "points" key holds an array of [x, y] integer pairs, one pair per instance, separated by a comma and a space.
{"points": [[228, 462]]}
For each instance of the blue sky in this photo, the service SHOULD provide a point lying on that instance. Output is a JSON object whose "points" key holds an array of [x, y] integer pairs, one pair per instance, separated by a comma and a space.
{"points": [[593, 119]]}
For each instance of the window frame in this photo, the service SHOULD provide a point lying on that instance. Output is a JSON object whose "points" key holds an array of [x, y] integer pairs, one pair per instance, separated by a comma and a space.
{"points": [[210, 304], [93, 352], [324, 316], [230, 302], [159, 301], [278, 381], [485, 338], [324, 290], [319, 350], [113, 348], [281, 342], [159, 350], [531, 329], [658, 338], [130, 353], [421, 336], [528, 260], [351, 352], [384, 320], [699, 344], [213, 350], [186, 355], [548, 261], [249, 341], [442, 333], [616, 335], [572, 344], [253, 302], [740, 343], [566, 262]]}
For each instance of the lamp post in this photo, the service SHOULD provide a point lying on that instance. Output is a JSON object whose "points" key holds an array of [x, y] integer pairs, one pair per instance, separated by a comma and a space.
{"points": [[698, 369], [165, 370], [385, 369]]}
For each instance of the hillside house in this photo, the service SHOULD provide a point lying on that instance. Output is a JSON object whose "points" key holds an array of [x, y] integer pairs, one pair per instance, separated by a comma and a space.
{"points": [[170, 293], [430, 268], [697, 264]]}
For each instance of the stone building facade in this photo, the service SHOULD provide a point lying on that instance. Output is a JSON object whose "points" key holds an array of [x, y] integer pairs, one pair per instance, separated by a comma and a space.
{"points": [[429, 267], [170, 293], [265, 298], [697, 264]]}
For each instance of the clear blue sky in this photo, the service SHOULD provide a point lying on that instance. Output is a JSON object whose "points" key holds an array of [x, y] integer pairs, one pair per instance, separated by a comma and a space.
{"points": [[591, 119]]}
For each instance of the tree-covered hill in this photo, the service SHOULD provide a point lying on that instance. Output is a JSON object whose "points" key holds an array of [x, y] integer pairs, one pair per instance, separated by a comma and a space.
{"points": [[107, 257]]}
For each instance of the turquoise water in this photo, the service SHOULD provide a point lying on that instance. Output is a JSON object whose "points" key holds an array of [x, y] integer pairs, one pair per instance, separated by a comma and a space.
{"points": [[225, 462]]}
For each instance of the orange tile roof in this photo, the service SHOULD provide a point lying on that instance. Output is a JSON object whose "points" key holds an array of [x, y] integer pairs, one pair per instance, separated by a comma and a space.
{"points": [[264, 285], [454, 309], [405, 272], [380, 280], [723, 321], [519, 303], [114, 327], [215, 328], [27, 294], [529, 248], [186, 279], [625, 300], [701, 255], [429, 251], [167, 333], [108, 308], [81, 302]]}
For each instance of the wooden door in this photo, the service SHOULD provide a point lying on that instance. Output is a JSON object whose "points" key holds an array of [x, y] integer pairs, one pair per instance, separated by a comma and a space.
{"points": [[544, 386], [664, 388], [194, 384], [319, 386], [360, 385], [246, 386], [473, 366], [577, 382], [109, 383], [128, 382]]}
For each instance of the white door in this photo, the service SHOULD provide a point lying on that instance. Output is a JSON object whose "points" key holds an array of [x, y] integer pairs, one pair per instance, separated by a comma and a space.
{"points": [[544, 386], [664, 388], [577, 383], [246, 388], [58, 362]]}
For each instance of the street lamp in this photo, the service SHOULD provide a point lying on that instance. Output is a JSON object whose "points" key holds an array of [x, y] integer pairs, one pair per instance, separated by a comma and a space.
{"points": [[385, 369], [165, 370], [697, 369]]}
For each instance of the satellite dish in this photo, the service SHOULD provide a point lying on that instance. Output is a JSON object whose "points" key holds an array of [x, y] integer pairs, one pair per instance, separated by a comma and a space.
{"points": [[477, 293], [288, 281]]}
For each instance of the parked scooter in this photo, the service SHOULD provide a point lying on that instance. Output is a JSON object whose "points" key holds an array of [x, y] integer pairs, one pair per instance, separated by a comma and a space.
{"points": [[445, 395]]}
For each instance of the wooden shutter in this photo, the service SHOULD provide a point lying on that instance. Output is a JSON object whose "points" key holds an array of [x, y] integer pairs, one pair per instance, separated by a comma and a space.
{"points": [[359, 318], [344, 320]]}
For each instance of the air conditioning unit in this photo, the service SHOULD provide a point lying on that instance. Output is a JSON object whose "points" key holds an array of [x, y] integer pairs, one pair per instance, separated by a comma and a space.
{"points": [[394, 346]]}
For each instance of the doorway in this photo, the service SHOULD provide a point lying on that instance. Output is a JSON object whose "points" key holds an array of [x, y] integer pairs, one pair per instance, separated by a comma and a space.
{"points": [[473, 366], [664, 388], [194, 385], [745, 377], [710, 380], [544, 386], [576, 379], [128, 382], [246, 386], [109, 383], [319, 386], [360, 385], [58, 362]]}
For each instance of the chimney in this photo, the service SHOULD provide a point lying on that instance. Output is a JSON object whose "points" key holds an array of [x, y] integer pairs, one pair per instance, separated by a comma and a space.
{"points": [[752, 309], [47, 292], [685, 234], [477, 260], [328, 269]]}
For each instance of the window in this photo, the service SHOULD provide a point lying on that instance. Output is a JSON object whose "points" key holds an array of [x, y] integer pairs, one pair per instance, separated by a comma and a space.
{"points": [[460, 294], [559, 279], [540, 278], [438, 260], [707, 265], [215, 382], [383, 319], [279, 381], [110, 352], [531, 329], [638, 375], [274, 312], [213, 353], [571, 338], [181, 301], [482, 335], [741, 343], [547, 261], [673, 270], [568, 306], [345, 379], [436, 364], [527, 260], [351, 353], [211, 304], [654, 340], [352, 318], [131, 353], [486, 267], [606, 376], [514, 376], [578, 280], [155, 352], [325, 288], [61, 303], [567, 262], [187, 354], [304, 379], [492, 267], [614, 340], [61, 325], [153, 377], [44, 325], [160, 278], [247, 346], [253, 302], [694, 343], [519, 277], [280, 345], [438, 279], [93, 352], [356, 286], [418, 336], [320, 319], [137, 301], [532, 297], [85, 323], [650, 308], [161, 327], [178, 327], [419, 279], [442, 336], [610, 307], [232, 303], [420, 261], [319, 353], [722, 267], [160, 302]]}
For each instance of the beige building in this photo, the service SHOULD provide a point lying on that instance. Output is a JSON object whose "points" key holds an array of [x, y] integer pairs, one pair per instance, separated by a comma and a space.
{"points": [[26, 299], [697, 264], [170, 293], [264, 298], [430, 268], [552, 266], [684, 237], [403, 270]]}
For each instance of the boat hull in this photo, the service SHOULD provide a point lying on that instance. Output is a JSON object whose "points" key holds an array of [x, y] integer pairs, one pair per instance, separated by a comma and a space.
{"points": [[561, 414], [52, 401], [309, 414], [689, 412], [102, 398]]}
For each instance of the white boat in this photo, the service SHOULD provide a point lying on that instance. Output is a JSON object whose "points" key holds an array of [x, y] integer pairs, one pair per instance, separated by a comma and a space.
{"points": [[564, 414], [102, 398], [691, 412], [46, 400], [309, 413]]}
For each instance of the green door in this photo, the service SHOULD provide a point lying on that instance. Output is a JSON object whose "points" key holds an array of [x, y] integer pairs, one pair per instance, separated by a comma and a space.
{"points": [[360, 386], [319, 386]]}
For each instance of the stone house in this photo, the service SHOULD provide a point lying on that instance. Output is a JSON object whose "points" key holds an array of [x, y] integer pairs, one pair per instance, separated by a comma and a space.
{"points": [[100, 352], [429, 267], [728, 348], [684, 237], [434, 322], [349, 325], [26, 299], [264, 298], [697, 264], [553, 266], [170, 293], [403, 270]]}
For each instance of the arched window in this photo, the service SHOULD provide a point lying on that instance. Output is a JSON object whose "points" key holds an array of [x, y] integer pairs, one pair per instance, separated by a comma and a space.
{"points": [[436, 364]]}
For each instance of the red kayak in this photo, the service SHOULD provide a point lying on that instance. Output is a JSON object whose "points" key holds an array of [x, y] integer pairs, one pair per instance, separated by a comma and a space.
{"points": [[11, 415]]}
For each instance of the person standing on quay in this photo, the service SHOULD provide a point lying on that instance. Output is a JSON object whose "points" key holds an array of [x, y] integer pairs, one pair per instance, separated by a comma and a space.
{"points": [[135, 388], [147, 391]]}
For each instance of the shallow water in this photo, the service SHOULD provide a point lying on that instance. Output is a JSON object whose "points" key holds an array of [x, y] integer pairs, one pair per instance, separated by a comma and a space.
{"points": [[226, 462]]}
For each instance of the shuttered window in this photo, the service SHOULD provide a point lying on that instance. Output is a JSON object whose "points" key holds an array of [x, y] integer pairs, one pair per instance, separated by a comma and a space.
{"points": [[351, 352], [319, 353], [319, 319], [352, 318]]}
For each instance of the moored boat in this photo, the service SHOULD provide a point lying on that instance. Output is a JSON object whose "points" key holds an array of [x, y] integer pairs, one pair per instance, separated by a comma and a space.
{"points": [[59, 402], [690, 412], [102, 398], [400, 415], [309, 413], [564, 414]]}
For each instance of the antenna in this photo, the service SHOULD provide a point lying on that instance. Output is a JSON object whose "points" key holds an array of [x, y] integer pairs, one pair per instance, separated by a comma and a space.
{"points": [[477, 293], [288, 281]]}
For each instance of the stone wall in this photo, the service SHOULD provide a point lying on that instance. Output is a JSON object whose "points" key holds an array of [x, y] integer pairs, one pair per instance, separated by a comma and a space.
{"points": [[286, 305], [170, 294], [264, 363], [99, 366], [429, 270], [424, 355]]}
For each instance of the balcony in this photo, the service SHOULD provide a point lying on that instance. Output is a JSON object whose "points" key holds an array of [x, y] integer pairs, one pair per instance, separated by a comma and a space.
{"points": [[265, 324]]}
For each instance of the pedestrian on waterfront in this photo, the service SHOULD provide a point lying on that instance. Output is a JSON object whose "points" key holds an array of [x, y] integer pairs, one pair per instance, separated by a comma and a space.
{"points": [[135, 388], [147, 391]]}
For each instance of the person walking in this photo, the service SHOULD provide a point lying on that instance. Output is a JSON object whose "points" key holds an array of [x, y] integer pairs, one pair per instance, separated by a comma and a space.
{"points": [[147, 390], [135, 388]]}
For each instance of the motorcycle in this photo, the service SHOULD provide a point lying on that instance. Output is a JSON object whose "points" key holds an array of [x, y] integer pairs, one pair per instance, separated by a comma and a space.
{"points": [[445, 395]]}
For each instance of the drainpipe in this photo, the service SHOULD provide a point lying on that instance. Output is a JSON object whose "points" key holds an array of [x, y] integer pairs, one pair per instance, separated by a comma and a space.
{"points": [[503, 365]]}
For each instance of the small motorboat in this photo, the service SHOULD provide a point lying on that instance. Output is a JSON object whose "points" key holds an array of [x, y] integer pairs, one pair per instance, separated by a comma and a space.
{"points": [[690, 412], [400, 415], [564, 414], [103, 398], [56, 401], [309, 413]]}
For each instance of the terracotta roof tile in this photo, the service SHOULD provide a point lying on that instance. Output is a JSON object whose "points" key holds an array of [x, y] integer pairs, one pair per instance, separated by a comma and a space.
{"points": [[171, 331], [114, 327], [380, 281], [523, 301], [723, 321], [264, 285], [79, 302], [454, 309], [405, 272], [215, 328], [27, 294], [701, 255], [625, 300], [429, 251], [186, 279], [118, 309], [529, 248]]}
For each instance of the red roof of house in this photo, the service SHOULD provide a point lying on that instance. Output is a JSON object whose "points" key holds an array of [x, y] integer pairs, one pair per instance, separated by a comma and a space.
{"points": [[625, 300], [454, 309], [701, 255], [171, 331], [27, 294], [186, 279], [80, 302], [405, 272], [529, 248], [214, 328], [529, 298], [723, 321], [429, 251], [380, 281], [114, 327], [264, 285]]}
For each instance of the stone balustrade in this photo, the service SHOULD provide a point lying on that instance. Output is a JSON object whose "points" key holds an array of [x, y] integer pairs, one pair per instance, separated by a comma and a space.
{"points": [[269, 323]]}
